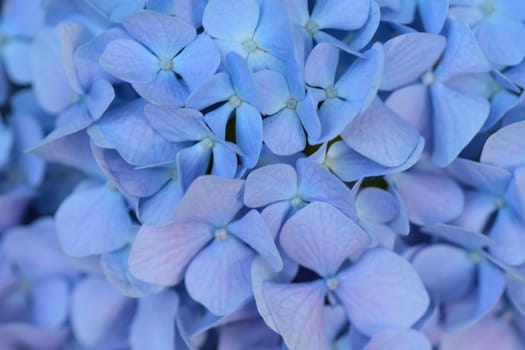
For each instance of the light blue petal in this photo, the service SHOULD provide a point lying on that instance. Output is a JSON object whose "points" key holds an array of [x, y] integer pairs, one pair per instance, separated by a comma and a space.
{"points": [[176, 124], [116, 269], [252, 229], [382, 136], [130, 61], [235, 21], [192, 162], [224, 160], [408, 56], [164, 35], [335, 114], [72, 35], [457, 119], [283, 133], [509, 241], [448, 272], [341, 14], [271, 183], [117, 10], [164, 89], [95, 293], [217, 89], [462, 55], [242, 79], [160, 254], [321, 238], [197, 62], [217, 198], [321, 66], [483, 177], [272, 89], [92, 221], [501, 39], [129, 132], [50, 302], [429, 197], [376, 205], [224, 268], [153, 325], [249, 134], [399, 339], [362, 37], [382, 290], [98, 98], [369, 69], [298, 313], [158, 209], [504, 147], [316, 183], [458, 235], [17, 60], [433, 14]]}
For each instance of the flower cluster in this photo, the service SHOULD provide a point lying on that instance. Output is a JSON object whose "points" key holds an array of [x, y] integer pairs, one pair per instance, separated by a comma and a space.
{"points": [[262, 174]]}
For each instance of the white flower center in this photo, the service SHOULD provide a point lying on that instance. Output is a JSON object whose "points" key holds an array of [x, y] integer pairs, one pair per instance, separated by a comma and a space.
{"points": [[297, 201], [291, 103], [427, 78], [487, 7], [166, 63], [331, 92], [311, 26], [250, 45], [235, 101], [221, 234], [331, 283], [207, 142]]}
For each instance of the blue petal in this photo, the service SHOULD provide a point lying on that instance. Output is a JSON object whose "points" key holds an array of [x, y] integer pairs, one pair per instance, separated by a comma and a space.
{"points": [[283, 133], [217, 89], [429, 197], [192, 162], [129, 132], [499, 38], [224, 267], [447, 271], [272, 183], [376, 205], [382, 290], [50, 302], [433, 14], [164, 89], [117, 10], [298, 313], [316, 183], [95, 293], [72, 35], [380, 135], [17, 60], [93, 220], [341, 14], [252, 229], [483, 177], [235, 21], [457, 118], [458, 235], [272, 89], [321, 66], [158, 209], [163, 34], [321, 238], [463, 54], [408, 56], [130, 61], [249, 133], [160, 254], [224, 160], [504, 147], [153, 325], [116, 269], [399, 339], [509, 241], [197, 62], [217, 198], [176, 124]]}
